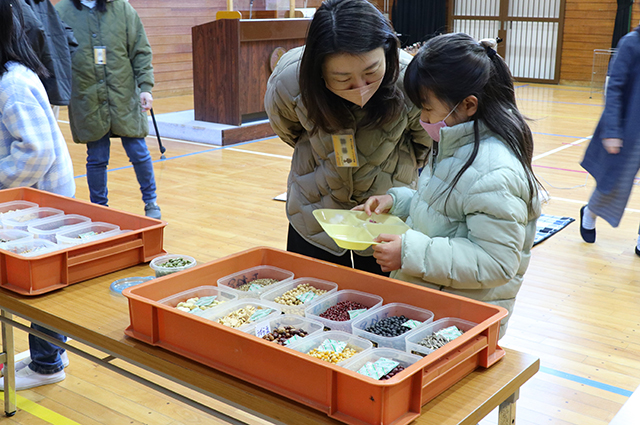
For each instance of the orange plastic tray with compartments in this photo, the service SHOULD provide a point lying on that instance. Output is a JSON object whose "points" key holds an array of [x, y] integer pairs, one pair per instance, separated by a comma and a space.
{"points": [[58, 269], [340, 393]]}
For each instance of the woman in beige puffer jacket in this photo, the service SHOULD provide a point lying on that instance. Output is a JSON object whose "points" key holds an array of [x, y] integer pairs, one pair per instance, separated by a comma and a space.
{"points": [[346, 80]]}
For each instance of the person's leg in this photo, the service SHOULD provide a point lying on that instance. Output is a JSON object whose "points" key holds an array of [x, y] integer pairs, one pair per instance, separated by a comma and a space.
{"points": [[297, 244], [97, 162], [45, 357], [140, 158], [638, 244], [46, 365], [367, 264]]}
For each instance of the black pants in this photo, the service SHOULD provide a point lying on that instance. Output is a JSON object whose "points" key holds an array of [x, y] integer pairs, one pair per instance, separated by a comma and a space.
{"points": [[297, 244]]}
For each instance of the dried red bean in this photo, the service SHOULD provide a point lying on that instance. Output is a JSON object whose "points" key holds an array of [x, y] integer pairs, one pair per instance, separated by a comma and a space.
{"points": [[396, 370], [340, 311]]}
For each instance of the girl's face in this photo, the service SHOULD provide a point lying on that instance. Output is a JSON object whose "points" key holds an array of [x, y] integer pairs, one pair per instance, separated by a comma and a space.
{"points": [[434, 110], [343, 71]]}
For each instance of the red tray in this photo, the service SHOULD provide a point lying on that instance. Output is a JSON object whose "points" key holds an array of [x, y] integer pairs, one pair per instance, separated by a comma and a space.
{"points": [[40, 274], [341, 393]]}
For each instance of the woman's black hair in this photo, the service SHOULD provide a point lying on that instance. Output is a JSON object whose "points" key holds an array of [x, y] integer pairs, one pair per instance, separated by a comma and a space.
{"points": [[101, 5], [14, 44], [452, 67], [353, 27]]}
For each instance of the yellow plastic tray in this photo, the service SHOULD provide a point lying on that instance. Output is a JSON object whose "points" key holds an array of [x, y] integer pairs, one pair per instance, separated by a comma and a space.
{"points": [[355, 229]]}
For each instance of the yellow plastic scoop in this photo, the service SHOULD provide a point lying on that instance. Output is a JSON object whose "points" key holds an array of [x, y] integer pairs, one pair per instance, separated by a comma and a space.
{"points": [[355, 229]]}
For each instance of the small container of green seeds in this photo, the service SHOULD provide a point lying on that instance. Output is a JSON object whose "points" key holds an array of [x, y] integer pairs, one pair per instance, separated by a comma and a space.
{"points": [[171, 263]]}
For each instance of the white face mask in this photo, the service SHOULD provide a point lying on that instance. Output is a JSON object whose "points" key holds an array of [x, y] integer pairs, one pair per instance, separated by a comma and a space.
{"points": [[359, 96]]}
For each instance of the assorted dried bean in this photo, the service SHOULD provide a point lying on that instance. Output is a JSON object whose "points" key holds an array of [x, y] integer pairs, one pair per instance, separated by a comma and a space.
{"points": [[261, 282], [197, 304], [237, 318], [389, 326], [340, 311], [290, 297], [283, 333], [396, 370], [440, 338], [175, 263], [332, 356]]}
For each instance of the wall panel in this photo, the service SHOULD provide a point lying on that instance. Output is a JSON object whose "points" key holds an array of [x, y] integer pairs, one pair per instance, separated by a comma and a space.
{"points": [[588, 26]]}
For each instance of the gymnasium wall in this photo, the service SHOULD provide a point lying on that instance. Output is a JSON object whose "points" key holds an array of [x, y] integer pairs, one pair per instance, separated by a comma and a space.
{"points": [[588, 25]]}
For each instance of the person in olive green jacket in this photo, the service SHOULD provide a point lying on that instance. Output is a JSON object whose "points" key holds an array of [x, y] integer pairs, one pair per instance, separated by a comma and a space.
{"points": [[112, 78]]}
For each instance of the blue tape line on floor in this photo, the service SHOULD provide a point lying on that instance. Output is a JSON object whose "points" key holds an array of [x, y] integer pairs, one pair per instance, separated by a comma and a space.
{"points": [[585, 381]]}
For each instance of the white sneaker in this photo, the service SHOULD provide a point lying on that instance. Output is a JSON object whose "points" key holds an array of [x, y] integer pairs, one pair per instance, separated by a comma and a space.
{"points": [[26, 378], [25, 361]]}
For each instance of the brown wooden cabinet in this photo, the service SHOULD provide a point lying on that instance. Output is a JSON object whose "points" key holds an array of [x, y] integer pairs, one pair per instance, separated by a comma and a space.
{"points": [[231, 65]]}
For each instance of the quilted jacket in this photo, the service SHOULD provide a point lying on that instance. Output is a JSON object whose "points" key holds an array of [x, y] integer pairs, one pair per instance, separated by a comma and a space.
{"points": [[481, 246], [388, 156], [106, 98]]}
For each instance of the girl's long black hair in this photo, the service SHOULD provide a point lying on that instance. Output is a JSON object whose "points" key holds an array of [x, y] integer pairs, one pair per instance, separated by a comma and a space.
{"points": [[452, 67], [14, 44], [353, 27]]}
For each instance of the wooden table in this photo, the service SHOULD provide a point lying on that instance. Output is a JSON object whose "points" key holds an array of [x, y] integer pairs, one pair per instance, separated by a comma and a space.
{"points": [[90, 313]]}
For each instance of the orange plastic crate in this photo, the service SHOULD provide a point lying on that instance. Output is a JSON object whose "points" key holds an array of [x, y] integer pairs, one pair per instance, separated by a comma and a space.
{"points": [[341, 393], [40, 274]]}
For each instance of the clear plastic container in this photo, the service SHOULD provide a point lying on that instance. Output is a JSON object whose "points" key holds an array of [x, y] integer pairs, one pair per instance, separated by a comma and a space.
{"points": [[20, 220], [311, 327], [235, 280], [225, 309], [372, 317], [31, 248], [117, 286], [272, 294], [13, 206], [12, 235], [314, 341], [46, 228], [374, 354], [316, 308], [222, 296], [416, 335], [156, 264], [87, 232]]}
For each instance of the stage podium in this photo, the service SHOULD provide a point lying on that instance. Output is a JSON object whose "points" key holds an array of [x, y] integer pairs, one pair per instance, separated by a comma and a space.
{"points": [[232, 63]]}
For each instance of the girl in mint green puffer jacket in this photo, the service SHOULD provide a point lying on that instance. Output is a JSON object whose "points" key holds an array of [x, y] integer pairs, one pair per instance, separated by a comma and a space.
{"points": [[473, 216]]}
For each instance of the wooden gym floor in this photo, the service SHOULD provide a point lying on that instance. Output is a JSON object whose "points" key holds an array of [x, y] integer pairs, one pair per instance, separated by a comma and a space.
{"points": [[577, 311]]}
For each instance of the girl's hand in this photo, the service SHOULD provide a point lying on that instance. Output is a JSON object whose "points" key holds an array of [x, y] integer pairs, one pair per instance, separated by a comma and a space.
{"points": [[388, 255], [376, 204], [612, 145], [146, 101]]}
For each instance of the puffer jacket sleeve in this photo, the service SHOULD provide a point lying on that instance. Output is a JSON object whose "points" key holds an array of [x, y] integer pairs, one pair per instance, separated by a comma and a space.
{"points": [[401, 201], [279, 103], [489, 254], [139, 49]]}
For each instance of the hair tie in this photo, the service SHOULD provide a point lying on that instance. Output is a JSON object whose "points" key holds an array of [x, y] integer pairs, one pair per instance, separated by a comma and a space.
{"points": [[490, 52]]}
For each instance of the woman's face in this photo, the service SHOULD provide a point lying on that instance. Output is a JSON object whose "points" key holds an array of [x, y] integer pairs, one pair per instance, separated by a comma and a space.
{"points": [[343, 71]]}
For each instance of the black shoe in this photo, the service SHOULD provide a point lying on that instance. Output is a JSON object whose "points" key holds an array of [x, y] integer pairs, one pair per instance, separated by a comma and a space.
{"points": [[588, 235], [637, 251]]}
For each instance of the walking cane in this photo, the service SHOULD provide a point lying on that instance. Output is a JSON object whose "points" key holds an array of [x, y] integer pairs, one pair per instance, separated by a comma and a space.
{"points": [[155, 125]]}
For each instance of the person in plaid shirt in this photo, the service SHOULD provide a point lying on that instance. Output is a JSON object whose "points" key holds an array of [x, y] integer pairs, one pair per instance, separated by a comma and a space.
{"points": [[32, 153], [32, 150]]}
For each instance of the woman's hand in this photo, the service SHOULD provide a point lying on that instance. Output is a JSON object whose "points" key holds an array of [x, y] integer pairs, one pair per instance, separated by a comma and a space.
{"points": [[389, 254], [146, 101], [612, 145], [376, 204]]}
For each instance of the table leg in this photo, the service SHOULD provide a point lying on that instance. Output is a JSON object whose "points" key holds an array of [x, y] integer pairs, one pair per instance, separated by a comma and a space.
{"points": [[507, 410], [9, 369]]}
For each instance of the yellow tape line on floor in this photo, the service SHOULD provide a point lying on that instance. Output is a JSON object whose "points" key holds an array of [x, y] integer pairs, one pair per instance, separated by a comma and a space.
{"points": [[43, 413]]}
